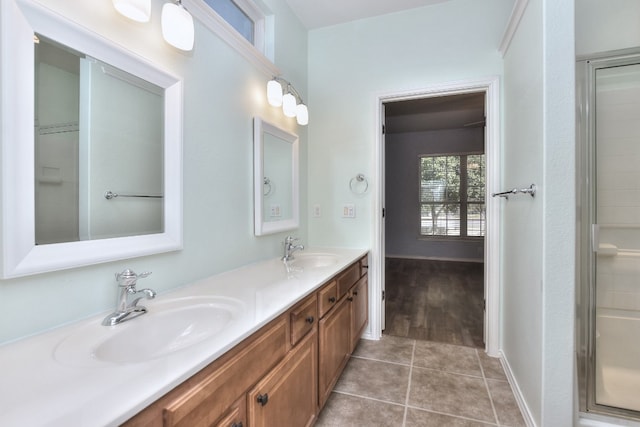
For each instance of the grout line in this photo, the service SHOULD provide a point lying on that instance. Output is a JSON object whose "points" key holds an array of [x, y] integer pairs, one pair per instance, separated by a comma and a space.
{"points": [[381, 360], [462, 417], [359, 396], [406, 400], [486, 385]]}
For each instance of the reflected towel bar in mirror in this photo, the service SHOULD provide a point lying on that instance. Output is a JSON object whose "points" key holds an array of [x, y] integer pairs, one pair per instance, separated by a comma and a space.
{"points": [[111, 195]]}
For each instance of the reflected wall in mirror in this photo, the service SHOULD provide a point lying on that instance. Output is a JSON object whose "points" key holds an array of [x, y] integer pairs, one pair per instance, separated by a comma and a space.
{"points": [[276, 179], [105, 120], [97, 129]]}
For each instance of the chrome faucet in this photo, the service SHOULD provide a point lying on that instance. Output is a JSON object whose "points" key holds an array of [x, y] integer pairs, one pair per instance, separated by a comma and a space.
{"points": [[125, 309], [290, 247]]}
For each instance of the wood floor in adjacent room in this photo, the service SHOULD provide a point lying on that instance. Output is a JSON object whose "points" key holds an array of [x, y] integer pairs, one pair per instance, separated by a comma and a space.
{"points": [[438, 301]]}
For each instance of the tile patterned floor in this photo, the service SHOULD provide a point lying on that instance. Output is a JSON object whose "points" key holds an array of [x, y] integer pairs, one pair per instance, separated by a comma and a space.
{"points": [[409, 383]]}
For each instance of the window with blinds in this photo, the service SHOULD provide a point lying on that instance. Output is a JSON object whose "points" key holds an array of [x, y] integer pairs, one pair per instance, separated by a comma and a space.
{"points": [[452, 191]]}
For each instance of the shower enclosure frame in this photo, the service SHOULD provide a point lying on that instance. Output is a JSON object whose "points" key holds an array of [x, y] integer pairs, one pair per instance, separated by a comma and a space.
{"points": [[586, 68]]}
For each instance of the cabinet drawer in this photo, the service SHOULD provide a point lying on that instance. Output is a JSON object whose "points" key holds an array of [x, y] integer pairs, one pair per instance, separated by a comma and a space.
{"points": [[364, 265], [327, 298], [348, 278], [208, 397], [303, 317]]}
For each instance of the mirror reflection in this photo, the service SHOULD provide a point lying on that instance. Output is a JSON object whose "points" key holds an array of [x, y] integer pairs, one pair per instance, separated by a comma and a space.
{"points": [[276, 179], [278, 185], [98, 129]]}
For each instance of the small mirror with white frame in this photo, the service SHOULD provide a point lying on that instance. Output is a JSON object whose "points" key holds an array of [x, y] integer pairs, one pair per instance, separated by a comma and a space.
{"points": [[276, 180], [23, 21]]}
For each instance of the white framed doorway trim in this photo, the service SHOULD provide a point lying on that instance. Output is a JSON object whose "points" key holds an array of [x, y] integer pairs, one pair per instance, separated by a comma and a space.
{"points": [[492, 278]]}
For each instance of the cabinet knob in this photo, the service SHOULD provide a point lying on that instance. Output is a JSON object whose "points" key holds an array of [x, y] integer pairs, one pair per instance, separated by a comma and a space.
{"points": [[349, 298], [237, 424], [310, 319], [355, 293], [332, 299], [263, 399]]}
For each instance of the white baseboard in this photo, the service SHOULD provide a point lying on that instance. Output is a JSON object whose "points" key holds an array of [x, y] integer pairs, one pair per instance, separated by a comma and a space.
{"points": [[517, 393]]}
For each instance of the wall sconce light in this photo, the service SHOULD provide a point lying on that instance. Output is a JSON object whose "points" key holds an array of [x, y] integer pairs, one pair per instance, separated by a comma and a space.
{"points": [[177, 23], [136, 10], [288, 98], [177, 26]]}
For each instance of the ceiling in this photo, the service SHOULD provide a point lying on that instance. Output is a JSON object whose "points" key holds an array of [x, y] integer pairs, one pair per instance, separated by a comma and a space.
{"points": [[435, 113], [322, 13]]}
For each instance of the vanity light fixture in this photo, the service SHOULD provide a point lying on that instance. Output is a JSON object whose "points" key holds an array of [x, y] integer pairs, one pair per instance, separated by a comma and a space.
{"points": [[137, 10], [177, 25], [288, 98]]}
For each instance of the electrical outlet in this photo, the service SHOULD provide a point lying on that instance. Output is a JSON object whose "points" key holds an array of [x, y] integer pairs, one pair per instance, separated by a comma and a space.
{"points": [[317, 211], [349, 211], [275, 210]]}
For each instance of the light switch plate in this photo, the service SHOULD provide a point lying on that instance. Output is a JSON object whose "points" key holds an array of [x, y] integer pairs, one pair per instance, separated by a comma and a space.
{"points": [[349, 210]]}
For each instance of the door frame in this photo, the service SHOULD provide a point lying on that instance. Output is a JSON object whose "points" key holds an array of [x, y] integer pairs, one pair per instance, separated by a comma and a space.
{"points": [[492, 280]]}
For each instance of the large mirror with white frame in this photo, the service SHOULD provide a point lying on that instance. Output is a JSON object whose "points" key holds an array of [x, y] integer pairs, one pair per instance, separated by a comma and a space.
{"points": [[92, 143], [276, 179]]}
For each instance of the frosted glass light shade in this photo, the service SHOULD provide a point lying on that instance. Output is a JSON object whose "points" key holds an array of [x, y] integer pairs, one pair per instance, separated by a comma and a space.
{"points": [[177, 26], [137, 10], [302, 114], [289, 105], [274, 93]]}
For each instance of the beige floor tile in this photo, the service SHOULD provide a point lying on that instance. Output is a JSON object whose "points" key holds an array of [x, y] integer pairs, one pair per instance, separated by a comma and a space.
{"points": [[387, 349], [419, 418], [506, 406], [450, 394], [343, 410], [377, 380], [491, 367], [446, 357]]}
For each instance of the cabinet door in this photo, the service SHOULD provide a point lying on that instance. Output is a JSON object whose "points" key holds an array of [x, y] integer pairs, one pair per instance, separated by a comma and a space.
{"points": [[334, 344], [288, 395], [359, 297], [236, 416]]}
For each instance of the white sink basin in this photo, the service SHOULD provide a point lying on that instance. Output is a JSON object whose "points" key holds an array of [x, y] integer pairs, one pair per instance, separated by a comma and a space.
{"points": [[169, 326], [314, 260]]}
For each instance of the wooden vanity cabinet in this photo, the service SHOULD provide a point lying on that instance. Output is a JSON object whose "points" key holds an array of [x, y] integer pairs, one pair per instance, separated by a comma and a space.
{"points": [[281, 375]]}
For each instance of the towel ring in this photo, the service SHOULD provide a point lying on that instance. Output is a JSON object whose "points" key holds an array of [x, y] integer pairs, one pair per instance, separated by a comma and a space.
{"points": [[266, 182], [357, 179]]}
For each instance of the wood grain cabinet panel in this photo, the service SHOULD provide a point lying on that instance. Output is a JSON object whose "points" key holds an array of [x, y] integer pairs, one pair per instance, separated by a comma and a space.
{"points": [[334, 343], [348, 278], [327, 298], [236, 416], [304, 317], [287, 396], [359, 298]]}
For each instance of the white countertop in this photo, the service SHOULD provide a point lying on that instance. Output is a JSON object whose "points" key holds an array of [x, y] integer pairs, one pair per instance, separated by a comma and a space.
{"points": [[36, 389]]}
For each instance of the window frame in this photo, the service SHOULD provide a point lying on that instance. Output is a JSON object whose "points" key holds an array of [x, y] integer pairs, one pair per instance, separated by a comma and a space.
{"points": [[463, 204], [260, 53]]}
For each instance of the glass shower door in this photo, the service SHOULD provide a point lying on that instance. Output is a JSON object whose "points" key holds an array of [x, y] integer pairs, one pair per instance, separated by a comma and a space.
{"points": [[616, 235]]}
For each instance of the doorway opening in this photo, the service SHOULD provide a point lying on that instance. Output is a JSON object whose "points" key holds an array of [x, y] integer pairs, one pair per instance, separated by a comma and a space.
{"points": [[435, 218], [436, 213]]}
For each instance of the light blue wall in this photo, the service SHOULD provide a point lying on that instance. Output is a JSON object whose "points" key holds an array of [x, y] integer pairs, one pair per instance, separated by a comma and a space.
{"points": [[538, 251], [351, 64], [222, 93]]}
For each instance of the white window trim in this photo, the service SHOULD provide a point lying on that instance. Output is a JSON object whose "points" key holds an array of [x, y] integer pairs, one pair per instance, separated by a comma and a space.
{"points": [[263, 32]]}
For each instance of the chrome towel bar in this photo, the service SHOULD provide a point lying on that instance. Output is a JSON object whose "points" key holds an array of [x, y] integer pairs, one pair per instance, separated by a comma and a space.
{"points": [[111, 195], [531, 191]]}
